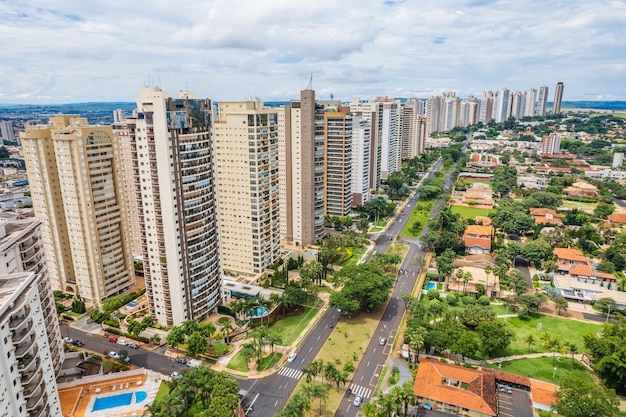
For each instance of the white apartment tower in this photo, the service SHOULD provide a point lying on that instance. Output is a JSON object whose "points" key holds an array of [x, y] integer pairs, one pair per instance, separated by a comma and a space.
{"points": [[531, 97], [246, 165], [338, 161], [21, 250], [412, 111], [301, 169], [76, 179], [27, 385], [6, 131], [501, 105], [390, 137], [370, 112], [172, 154], [361, 137], [542, 101], [558, 97]]}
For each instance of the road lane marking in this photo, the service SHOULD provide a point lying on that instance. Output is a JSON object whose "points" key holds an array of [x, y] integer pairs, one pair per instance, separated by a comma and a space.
{"points": [[252, 403], [359, 390], [290, 373]]}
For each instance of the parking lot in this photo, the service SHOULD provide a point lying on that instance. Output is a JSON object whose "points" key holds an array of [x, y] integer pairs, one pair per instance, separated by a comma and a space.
{"points": [[516, 404]]}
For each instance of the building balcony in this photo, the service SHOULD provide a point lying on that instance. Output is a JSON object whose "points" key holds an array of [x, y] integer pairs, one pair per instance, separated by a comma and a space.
{"points": [[35, 399], [37, 411], [18, 337], [27, 378], [28, 363], [24, 348], [16, 322]]}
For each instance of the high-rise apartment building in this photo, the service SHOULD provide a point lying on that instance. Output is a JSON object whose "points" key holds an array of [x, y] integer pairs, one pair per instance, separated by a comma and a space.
{"points": [[412, 111], [301, 169], [501, 105], [21, 250], [435, 114], [76, 185], [172, 154], [542, 101], [558, 97], [486, 107], [516, 105], [551, 144], [119, 115], [618, 159], [246, 165], [529, 105], [338, 161], [390, 136], [361, 148], [6, 131], [452, 114], [27, 384], [370, 112]]}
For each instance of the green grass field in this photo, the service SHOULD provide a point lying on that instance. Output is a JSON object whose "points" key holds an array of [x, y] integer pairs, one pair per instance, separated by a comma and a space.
{"points": [[470, 212], [587, 207], [356, 255], [565, 330], [420, 214], [164, 389], [542, 369], [289, 328]]}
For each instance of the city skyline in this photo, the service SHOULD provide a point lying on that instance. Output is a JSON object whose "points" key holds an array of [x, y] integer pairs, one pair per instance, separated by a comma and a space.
{"points": [[101, 51]]}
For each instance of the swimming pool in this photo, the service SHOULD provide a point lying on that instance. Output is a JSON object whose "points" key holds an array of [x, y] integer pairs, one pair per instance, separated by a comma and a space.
{"points": [[431, 285], [133, 304], [119, 400], [258, 312]]}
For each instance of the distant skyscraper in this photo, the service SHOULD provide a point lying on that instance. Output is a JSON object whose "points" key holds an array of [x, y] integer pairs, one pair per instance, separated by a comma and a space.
{"points": [[370, 111], [486, 107], [542, 101], [338, 161], [531, 97], [76, 184], [6, 131], [501, 105], [618, 159], [516, 105], [246, 165], [390, 137], [172, 149], [119, 115], [361, 137], [301, 169], [412, 111], [27, 381], [435, 114], [558, 97], [551, 144]]}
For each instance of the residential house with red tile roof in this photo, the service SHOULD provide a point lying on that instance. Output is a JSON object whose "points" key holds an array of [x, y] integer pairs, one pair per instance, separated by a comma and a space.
{"points": [[617, 219], [546, 216], [477, 239], [567, 258]]}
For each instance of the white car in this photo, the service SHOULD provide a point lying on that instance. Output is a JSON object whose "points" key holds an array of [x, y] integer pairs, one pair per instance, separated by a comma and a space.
{"points": [[67, 339], [357, 400], [292, 357], [114, 355], [122, 342]]}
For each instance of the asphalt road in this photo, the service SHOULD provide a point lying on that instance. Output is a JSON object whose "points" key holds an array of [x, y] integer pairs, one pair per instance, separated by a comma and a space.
{"points": [[265, 397], [138, 357]]}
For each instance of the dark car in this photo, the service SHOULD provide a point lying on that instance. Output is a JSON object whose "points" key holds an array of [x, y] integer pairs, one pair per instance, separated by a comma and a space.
{"points": [[133, 346], [78, 343], [181, 360]]}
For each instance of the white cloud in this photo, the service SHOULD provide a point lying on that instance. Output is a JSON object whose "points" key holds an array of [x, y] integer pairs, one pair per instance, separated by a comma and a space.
{"points": [[227, 49]]}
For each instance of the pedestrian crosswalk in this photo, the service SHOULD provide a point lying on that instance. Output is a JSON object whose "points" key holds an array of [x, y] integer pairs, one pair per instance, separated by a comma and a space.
{"points": [[359, 390], [290, 372]]}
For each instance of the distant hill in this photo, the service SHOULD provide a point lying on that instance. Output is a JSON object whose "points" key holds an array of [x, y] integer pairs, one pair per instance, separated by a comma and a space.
{"points": [[600, 105]]}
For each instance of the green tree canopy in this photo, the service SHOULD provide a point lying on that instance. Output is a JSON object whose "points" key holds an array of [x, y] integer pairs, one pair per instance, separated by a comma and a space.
{"points": [[583, 397], [365, 284]]}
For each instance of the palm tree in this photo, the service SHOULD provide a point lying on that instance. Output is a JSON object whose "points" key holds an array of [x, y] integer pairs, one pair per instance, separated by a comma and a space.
{"points": [[370, 410], [459, 277], [389, 404], [207, 329], [175, 337], [273, 339], [488, 271], [405, 395], [414, 337], [227, 328], [266, 304], [529, 340], [572, 349], [467, 277], [248, 351], [321, 392], [330, 371], [190, 326], [308, 390]]}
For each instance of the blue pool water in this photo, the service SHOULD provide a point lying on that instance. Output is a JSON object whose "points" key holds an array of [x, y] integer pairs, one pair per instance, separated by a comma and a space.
{"points": [[112, 401], [258, 312], [133, 303], [431, 285], [118, 400]]}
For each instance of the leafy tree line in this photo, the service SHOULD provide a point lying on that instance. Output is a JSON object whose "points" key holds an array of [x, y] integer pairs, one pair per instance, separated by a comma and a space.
{"points": [[364, 287]]}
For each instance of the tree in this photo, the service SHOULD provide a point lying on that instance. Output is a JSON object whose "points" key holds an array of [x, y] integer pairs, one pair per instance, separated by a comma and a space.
{"points": [[207, 329], [445, 262], [560, 303], [530, 303], [466, 345], [529, 340], [197, 343], [572, 349], [494, 335], [175, 337], [78, 306], [474, 314], [414, 337], [583, 397], [405, 395], [313, 271], [364, 284], [320, 392], [136, 327], [248, 351]]}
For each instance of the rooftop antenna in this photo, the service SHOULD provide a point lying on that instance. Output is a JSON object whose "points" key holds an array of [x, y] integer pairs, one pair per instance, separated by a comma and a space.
{"points": [[310, 85], [332, 96]]}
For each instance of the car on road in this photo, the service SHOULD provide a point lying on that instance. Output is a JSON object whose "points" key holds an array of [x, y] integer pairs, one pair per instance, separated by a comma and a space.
{"points": [[122, 342], [67, 339], [357, 400], [175, 375], [382, 341], [374, 253], [78, 343], [390, 237], [133, 345], [113, 355], [112, 339], [292, 357], [181, 360]]}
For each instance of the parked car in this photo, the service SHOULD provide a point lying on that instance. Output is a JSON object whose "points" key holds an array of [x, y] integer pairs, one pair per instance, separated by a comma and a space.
{"points": [[181, 360], [383, 341], [292, 357], [357, 400], [112, 339], [133, 345], [77, 343], [113, 355], [175, 375], [122, 342], [67, 339]]}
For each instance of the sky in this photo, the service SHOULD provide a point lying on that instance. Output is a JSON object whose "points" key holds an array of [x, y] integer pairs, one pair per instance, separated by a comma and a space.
{"points": [[69, 51]]}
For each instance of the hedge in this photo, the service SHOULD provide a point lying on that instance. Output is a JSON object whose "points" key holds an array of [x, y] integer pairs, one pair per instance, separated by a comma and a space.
{"points": [[118, 332]]}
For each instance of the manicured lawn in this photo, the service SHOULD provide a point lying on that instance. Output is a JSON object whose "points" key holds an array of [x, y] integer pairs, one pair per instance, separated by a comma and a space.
{"points": [[356, 255], [420, 214], [346, 343], [470, 212], [397, 249], [470, 182], [238, 363], [289, 328], [565, 330], [269, 361], [164, 389], [542, 369], [586, 207]]}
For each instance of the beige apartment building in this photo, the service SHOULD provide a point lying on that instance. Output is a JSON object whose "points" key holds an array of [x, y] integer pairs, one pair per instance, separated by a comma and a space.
{"points": [[171, 145], [301, 169], [338, 161], [21, 250], [371, 111], [246, 165], [76, 185]]}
